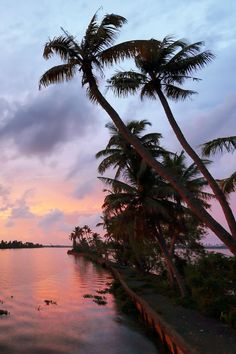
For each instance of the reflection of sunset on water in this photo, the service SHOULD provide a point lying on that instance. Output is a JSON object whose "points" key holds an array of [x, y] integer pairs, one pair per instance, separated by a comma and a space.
{"points": [[72, 324]]}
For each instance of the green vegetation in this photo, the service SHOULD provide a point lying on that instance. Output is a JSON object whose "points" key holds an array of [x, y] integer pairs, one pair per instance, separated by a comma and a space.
{"points": [[18, 244], [212, 284], [87, 241]]}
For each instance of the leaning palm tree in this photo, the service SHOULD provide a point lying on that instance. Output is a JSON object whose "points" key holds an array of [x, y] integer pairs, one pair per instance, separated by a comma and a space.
{"points": [[94, 51], [162, 72], [228, 185]]}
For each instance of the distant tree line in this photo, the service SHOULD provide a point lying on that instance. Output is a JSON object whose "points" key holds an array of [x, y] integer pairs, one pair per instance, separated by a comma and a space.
{"points": [[18, 244]]}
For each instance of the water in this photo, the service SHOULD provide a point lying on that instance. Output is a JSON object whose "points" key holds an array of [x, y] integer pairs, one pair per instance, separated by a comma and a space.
{"points": [[75, 324]]}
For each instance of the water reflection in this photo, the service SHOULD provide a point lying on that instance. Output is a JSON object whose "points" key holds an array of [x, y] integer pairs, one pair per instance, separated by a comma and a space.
{"points": [[75, 324]]}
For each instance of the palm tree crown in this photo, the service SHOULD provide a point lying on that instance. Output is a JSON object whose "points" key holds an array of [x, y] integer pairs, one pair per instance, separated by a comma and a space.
{"points": [[93, 52], [120, 155], [83, 56], [165, 65]]}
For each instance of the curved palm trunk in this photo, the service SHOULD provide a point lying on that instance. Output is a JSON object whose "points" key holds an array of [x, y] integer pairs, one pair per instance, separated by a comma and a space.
{"points": [[211, 181], [138, 261], [188, 198], [161, 241]]}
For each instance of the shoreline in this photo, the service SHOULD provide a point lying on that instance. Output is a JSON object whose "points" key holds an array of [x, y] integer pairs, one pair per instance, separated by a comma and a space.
{"points": [[182, 330]]}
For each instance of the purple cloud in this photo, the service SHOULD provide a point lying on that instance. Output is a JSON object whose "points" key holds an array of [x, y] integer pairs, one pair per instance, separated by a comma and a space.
{"points": [[50, 219], [49, 119]]}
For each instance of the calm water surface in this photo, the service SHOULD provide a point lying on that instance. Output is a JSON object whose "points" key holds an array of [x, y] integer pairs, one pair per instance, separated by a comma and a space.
{"points": [[75, 324]]}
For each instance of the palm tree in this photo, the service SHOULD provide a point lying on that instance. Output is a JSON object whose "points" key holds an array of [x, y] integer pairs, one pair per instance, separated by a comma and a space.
{"points": [[162, 72], [143, 201], [228, 185], [189, 176], [139, 208], [147, 199], [120, 155], [94, 51], [75, 234]]}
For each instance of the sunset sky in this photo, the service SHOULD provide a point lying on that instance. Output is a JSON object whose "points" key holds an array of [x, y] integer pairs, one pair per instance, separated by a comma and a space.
{"points": [[48, 138]]}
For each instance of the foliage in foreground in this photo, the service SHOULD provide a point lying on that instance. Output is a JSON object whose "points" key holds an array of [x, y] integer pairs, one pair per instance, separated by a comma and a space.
{"points": [[212, 285]]}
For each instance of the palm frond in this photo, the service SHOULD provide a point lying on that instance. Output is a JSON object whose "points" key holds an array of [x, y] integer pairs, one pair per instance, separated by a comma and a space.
{"points": [[117, 141], [189, 64], [57, 74], [186, 51], [99, 37], [177, 93], [112, 128], [114, 202], [108, 30], [126, 82], [126, 50], [118, 186], [138, 126], [205, 195], [62, 46], [90, 92], [228, 185], [192, 170], [114, 20], [148, 90], [151, 138], [107, 152], [179, 79], [219, 144], [114, 160], [90, 34]]}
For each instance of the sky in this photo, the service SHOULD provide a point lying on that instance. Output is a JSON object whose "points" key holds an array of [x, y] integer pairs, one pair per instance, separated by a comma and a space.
{"points": [[49, 138]]}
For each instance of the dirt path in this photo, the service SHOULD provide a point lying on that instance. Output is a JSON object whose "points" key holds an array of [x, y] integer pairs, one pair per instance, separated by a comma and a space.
{"points": [[206, 335]]}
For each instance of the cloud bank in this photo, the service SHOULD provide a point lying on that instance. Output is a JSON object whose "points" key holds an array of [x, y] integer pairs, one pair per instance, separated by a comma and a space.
{"points": [[51, 118]]}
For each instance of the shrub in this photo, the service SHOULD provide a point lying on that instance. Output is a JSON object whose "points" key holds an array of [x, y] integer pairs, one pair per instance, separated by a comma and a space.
{"points": [[211, 282]]}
